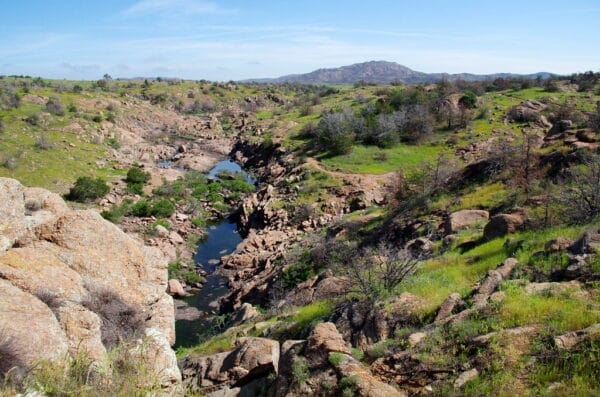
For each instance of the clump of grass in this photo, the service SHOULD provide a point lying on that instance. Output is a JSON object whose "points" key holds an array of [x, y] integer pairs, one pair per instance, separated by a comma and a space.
{"points": [[311, 313], [122, 373], [217, 344], [300, 372], [336, 358], [348, 385]]}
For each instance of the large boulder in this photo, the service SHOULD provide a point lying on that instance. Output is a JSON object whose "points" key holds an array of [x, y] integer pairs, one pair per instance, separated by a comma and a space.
{"points": [[465, 219], [365, 324], [365, 384], [252, 358], [503, 224], [73, 280], [323, 340]]}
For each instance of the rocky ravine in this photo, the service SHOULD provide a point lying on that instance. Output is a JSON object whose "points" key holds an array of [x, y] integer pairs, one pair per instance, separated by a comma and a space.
{"points": [[71, 281]]}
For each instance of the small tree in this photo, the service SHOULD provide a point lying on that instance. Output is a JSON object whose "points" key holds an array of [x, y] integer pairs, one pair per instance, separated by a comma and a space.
{"points": [[87, 189]]}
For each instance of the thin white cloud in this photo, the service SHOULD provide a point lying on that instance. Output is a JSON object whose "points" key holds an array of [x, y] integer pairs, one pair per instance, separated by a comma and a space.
{"points": [[174, 7]]}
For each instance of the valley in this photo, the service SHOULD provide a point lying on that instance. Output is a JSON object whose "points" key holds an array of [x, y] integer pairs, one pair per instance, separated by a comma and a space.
{"points": [[284, 239]]}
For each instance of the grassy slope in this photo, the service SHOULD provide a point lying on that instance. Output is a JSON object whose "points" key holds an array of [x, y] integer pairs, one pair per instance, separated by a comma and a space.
{"points": [[74, 155]]}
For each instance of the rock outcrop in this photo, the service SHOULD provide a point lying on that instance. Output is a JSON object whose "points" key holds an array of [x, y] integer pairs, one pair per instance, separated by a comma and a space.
{"points": [[76, 282], [465, 219], [253, 358]]}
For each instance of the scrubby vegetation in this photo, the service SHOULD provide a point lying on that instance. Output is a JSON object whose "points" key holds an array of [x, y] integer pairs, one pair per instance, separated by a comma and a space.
{"points": [[372, 184], [87, 189]]}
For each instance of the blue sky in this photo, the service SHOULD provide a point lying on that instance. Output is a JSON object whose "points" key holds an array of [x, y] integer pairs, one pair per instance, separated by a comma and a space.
{"points": [[235, 39]]}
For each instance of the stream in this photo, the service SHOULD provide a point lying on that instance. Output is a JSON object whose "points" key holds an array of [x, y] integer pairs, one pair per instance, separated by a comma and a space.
{"points": [[222, 239]]}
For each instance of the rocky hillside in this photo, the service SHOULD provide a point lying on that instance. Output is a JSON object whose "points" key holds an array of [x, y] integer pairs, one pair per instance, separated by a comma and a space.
{"points": [[72, 283], [438, 239], [382, 72]]}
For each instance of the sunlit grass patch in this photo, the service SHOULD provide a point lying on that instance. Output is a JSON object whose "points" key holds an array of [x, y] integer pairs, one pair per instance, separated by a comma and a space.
{"points": [[374, 160]]}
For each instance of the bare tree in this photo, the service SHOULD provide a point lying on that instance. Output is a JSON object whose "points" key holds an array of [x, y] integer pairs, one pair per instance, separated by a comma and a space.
{"points": [[582, 199], [377, 272]]}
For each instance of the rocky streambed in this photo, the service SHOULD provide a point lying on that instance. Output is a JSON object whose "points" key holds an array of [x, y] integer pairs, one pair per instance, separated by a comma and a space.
{"points": [[222, 238]]}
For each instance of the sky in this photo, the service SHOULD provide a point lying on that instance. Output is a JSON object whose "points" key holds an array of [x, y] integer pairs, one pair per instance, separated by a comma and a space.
{"points": [[235, 39]]}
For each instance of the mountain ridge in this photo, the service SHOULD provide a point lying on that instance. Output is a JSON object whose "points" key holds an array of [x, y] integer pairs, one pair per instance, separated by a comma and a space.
{"points": [[382, 72]]}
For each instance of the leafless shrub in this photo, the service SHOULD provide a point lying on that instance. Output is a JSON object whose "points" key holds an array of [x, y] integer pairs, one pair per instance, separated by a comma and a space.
{"points": [[595, 119], [54, 106], [121, 322], [376, 272], [43, 143], [10, 161], [10, 353], [50, 298], [582, 199]]}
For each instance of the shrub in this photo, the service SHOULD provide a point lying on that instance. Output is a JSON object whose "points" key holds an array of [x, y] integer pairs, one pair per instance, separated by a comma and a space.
{"points": [[163, 208], [50, 298], [348, 385], [178, 271], [468, 100], [123, 372], [117, 212], [135, 188], [113, 143], [43, 143], [34, 119], [295, 274], [54, 106], [336, 132], [142, 209], [121, 322], [376, 272], [87, 189], [582, 198], [594, 120], [136, 179], [199, 221], [2, 126]]}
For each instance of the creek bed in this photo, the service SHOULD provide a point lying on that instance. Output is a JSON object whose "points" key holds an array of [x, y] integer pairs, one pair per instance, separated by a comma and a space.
{"points": [[222, 239]]}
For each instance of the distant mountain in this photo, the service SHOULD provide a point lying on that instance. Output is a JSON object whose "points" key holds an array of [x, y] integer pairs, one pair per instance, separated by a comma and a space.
{"points": [[382, 72]]}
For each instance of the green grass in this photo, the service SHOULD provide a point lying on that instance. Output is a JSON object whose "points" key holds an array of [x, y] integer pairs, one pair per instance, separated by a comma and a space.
{"points": [[559, 313], [374, 160], [217, 344], [315, 186], [484, 197], [455, 272], [307, 314]]}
